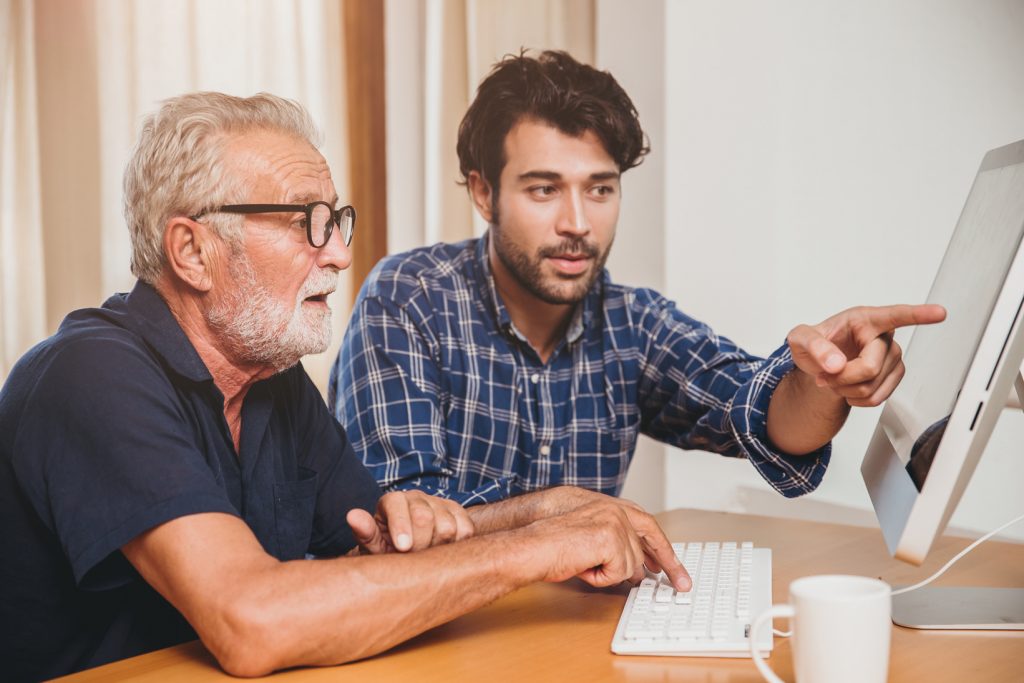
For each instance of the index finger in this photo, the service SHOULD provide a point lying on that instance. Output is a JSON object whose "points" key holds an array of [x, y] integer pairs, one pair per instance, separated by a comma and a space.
{"points": [[659, 550], [888, 318], [395, 509]]}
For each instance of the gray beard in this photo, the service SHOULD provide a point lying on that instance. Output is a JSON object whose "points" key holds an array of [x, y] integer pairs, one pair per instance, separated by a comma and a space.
{"points": [[254, 328]]}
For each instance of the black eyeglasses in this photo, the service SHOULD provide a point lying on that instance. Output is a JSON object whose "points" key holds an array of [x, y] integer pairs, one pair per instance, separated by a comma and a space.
{"points": [[321, 218]]}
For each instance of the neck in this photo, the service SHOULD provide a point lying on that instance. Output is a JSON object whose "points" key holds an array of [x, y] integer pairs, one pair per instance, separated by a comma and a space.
{"points": [[543, 324], [231, 376]]}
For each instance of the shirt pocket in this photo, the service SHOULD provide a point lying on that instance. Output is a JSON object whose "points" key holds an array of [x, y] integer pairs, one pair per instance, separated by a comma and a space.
{"points": [[294, 507]]}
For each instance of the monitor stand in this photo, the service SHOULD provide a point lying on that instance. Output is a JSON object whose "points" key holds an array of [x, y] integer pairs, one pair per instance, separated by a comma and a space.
{"points": [[980, 608]]}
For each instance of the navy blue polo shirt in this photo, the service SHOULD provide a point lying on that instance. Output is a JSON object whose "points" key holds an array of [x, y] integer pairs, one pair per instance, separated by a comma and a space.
{"points": [[113, 426]]}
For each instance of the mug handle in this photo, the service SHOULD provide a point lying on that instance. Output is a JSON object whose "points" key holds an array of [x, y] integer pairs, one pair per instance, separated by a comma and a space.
{"points": [[786, 611]]}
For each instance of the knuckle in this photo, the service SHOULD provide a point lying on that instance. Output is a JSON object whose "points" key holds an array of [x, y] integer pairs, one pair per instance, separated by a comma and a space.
{"points": [[445, 528], [421, 515], [863, 391]]}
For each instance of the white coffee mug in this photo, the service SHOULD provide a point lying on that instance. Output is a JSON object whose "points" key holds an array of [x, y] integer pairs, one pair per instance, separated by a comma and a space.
{"points": [[840, 626]]}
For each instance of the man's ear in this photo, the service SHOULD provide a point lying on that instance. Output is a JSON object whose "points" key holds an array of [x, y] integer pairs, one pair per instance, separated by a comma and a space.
{"points": [[482, 194], [189, 248]]}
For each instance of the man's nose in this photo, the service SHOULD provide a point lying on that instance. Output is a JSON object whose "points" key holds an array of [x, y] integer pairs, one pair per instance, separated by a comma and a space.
{"points": [[334, 253], [573, 220]]}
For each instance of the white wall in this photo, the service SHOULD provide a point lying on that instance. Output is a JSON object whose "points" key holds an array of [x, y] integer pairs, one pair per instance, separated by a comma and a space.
{"points": [[807, 156], [817, 156], [640, 67]]}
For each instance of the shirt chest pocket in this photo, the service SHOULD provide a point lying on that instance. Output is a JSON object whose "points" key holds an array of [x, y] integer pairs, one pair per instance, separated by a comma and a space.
{"points": [[294, 507], [606, 423]]}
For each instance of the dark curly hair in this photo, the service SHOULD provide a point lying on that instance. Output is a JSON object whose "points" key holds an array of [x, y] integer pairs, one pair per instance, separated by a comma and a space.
{"points": [[556, 89]]}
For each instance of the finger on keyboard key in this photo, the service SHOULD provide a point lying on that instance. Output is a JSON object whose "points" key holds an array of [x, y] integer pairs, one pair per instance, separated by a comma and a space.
{"points": [[664, 594]]}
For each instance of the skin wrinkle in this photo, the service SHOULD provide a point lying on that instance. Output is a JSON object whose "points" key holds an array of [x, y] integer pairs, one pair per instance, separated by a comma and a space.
{"points": [[255, 320]]}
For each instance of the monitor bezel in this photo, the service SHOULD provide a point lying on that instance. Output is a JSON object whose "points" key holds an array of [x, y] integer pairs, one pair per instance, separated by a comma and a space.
{"points": [[910, 519]]}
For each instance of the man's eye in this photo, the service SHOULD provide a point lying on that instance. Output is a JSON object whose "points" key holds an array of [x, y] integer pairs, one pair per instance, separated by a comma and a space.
{"points": [[543, 190], [603, 190]]}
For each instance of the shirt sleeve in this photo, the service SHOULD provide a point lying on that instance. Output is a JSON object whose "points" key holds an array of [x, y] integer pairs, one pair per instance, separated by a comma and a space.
{"points": [[101, 455], [386, 389], [700, 391]]}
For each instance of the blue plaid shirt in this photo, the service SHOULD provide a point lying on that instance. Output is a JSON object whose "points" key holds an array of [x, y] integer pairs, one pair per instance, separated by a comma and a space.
{"points": [[439, 391]]}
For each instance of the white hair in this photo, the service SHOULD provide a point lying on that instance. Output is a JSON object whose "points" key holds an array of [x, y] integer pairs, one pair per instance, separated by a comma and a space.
{"points": [[177, 165]]}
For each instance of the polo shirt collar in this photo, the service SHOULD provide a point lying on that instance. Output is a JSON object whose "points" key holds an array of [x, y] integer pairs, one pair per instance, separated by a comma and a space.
{"points": [[153, 321], [582, 315]]}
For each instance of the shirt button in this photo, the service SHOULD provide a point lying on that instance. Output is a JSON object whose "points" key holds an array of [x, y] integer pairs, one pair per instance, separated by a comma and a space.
{"points": [[535, 378], [545, 450]]}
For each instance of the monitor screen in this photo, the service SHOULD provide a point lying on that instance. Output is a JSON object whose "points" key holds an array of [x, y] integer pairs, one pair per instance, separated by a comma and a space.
{"points": [[959, 374], [968, 282]]}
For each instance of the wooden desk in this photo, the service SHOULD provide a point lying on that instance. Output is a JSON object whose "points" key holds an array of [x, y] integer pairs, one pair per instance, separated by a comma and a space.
{"points": [[562, 632]]}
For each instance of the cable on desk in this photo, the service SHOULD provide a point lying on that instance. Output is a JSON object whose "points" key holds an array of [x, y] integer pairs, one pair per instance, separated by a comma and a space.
{"points": [[956, 558]]}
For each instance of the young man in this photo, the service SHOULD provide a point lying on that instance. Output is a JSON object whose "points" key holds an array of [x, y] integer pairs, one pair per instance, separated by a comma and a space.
{"points": [[166, 465], [512, 363]]}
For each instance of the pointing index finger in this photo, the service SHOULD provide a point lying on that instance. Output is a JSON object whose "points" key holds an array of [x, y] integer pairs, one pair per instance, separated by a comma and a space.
{"points": [[889, 318]]}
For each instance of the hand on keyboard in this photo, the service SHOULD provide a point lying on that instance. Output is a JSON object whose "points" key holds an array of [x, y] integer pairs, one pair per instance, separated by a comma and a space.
{"points": [[605, 543]]}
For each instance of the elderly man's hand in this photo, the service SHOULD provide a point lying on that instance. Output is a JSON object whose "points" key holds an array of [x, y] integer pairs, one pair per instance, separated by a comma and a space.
{"points": [[409, 520], [604, 542]]}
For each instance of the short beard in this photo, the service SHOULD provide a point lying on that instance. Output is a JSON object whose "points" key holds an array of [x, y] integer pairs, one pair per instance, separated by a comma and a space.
{"points": [[254, 328], [527, 270]]}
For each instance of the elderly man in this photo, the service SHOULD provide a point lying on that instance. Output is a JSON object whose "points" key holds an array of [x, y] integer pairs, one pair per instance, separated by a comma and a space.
{"points": [[167, 468], [512, 363]]}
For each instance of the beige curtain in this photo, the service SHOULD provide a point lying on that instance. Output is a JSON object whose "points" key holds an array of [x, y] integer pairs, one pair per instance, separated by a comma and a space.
{"points": [[22, 287], [437, 53], [77, 77], [99, 65]]}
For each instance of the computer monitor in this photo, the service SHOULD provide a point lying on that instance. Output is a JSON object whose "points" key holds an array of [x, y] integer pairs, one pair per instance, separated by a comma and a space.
{"points": [[959, 381]]}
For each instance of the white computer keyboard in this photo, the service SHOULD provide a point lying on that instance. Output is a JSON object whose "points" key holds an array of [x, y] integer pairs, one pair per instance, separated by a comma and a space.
{"points": [[732, 584]]}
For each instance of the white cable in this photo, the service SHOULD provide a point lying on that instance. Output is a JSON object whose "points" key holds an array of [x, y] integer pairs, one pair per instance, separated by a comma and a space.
{"points": [[907, 589]]}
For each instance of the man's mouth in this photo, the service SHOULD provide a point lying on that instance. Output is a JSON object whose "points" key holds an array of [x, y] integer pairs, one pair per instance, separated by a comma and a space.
{"points": [[317, 298], [570, 263]]}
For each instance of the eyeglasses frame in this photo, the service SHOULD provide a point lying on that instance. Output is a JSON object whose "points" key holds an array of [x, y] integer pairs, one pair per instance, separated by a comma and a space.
{"points": [[286, 208]]}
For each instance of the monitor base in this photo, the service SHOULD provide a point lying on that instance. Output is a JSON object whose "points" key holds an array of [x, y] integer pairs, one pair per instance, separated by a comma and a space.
{"points": [[981, 608]]}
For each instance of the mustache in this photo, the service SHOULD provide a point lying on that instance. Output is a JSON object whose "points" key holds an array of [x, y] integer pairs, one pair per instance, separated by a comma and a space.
{"points": [[576, 246], [320, 281]]}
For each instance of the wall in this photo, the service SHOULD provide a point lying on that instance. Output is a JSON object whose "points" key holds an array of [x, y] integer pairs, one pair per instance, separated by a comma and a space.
{"points": [[817, 156], [638, 64]]}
